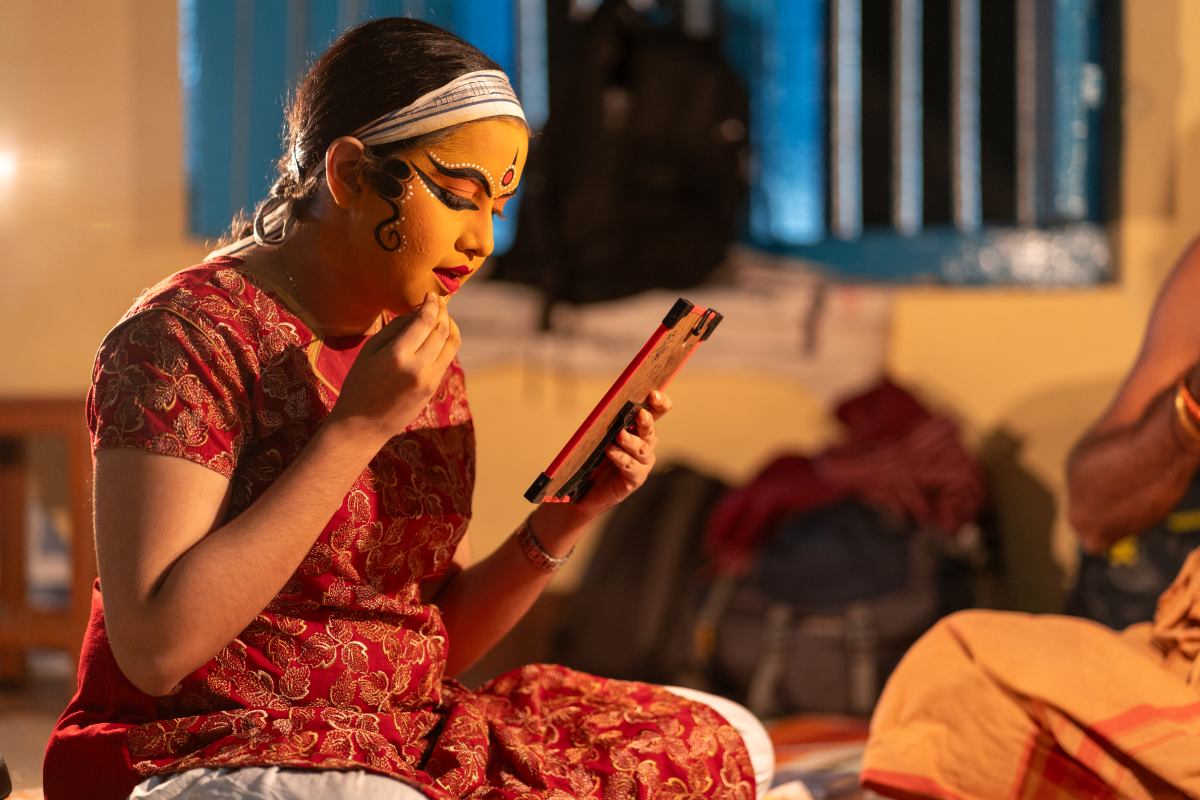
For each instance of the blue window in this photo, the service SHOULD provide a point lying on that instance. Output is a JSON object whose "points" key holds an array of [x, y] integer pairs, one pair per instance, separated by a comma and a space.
{"points": [[893, 142], [240, 58]]}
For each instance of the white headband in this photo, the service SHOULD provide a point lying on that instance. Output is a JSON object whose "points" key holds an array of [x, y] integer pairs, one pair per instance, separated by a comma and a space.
{"points": [[476, 95], [473, 96]]}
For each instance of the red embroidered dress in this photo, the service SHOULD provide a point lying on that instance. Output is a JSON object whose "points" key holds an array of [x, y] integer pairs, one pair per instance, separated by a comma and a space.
{"points": [[344, 668]]}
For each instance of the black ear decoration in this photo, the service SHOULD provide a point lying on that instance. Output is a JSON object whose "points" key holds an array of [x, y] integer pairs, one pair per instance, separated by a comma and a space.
{"points": [[387, 232], [400, 170], [389, 182], [387, 186]]}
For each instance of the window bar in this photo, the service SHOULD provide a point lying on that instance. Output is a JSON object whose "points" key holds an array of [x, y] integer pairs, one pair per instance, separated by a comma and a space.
{"points": [[779, 50], [1028, 182], [243, 60], [1074, 95], [698, 18], [846, 124], [533, 78], [583, 9], [322, 26], [964, 119], [907, 118], [349, 13], [268, 84], [297, 25], [444, 13]]}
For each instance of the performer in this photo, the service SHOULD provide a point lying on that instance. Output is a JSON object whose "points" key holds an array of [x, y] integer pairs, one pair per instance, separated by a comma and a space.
{"points": [[284, 468], [1132, 479], [995, 704]]}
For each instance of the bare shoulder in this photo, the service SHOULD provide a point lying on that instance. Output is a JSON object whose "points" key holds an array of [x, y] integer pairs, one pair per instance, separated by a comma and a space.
{"points": [[1174, 317], [1170, 346]]}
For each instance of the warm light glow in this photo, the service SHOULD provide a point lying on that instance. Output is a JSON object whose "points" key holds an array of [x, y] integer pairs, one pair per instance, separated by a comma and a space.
{"points": [[8, 166]]}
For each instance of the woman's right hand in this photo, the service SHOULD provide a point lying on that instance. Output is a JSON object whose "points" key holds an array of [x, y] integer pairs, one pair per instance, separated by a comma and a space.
{"points": [[399, 369]]}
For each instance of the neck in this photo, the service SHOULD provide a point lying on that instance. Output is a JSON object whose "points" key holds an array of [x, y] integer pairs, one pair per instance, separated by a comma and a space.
{"points": [[328, 294]]}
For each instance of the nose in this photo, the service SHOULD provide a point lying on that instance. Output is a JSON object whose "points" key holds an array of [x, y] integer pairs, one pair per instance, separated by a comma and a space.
{"points": [[477, 240]]}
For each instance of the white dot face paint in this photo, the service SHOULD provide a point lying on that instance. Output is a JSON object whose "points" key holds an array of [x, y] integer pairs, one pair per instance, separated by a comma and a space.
{"points": [[463, 166], [442, 222]]}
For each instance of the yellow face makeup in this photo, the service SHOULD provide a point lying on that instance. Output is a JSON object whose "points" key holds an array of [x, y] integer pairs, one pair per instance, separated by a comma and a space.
{"points": [[435, 206]]}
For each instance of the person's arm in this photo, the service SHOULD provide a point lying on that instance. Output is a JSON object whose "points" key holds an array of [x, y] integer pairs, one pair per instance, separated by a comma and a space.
{"points": [[179, 583], [179, 586], [481, 602], [1135, 463]]}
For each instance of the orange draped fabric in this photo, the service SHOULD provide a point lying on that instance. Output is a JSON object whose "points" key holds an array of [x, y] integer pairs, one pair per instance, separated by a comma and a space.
{"points": [[345, 667], [1003, 705]]}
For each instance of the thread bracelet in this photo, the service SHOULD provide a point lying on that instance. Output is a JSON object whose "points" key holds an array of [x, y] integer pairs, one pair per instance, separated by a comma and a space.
{"points": [[1187, 411]]}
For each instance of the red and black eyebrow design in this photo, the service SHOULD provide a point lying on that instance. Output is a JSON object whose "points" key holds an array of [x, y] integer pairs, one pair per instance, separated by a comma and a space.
{"points": [[465, 173]]}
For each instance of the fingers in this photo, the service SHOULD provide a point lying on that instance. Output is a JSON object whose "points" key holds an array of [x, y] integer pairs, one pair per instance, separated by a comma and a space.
{"points": [[425, 332], [430, 347], [409, 331], [636, 447], [423, 342], [658, 403], [630, 464], [631, 456], [639, 446], [644, 423], [450, 346]]}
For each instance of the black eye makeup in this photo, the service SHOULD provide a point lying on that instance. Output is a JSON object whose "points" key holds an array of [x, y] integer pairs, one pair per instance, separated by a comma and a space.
{"points": [[463, 172], [444, 196]]}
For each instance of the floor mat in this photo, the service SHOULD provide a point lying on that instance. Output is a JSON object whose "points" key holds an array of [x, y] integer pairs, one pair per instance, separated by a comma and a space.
{"points": [[817, 757]]}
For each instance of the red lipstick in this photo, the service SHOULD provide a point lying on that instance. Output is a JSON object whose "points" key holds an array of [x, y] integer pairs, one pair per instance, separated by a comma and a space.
{"points": [[452, 277]]}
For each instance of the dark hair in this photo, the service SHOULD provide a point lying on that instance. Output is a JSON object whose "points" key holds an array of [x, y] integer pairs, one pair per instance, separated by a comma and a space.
{"points": [[370, 70]]}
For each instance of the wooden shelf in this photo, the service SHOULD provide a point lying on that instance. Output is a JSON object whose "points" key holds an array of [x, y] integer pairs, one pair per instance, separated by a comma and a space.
{"points": [[23, 627]]}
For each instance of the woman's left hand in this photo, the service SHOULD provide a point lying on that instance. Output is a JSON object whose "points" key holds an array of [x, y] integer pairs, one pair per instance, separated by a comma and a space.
{"points": [[630, 460]]}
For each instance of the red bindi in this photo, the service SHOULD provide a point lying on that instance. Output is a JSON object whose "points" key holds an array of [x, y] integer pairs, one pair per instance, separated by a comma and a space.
{"points": [[507, 178]]}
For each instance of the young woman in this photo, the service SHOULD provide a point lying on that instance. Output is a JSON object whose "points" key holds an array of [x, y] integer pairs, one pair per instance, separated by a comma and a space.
{"points": [[284, 467]]}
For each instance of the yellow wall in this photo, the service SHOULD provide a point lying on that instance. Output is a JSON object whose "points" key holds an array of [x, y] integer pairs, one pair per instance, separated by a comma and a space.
{"points": [[96, 212]]}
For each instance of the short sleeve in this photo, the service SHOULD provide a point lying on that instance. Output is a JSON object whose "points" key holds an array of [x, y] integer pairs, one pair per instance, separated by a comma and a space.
{"points": [[164, 384]]}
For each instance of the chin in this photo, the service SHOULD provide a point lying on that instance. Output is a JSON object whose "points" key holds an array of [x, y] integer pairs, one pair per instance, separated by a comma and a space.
{"points": [[412, 301]]}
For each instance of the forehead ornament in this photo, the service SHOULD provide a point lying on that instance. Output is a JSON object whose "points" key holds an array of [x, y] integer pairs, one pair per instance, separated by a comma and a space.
{"points": [[510, 173]]}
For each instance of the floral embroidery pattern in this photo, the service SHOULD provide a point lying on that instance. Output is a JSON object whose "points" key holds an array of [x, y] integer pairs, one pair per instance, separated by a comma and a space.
{"points": [[345, 667]]}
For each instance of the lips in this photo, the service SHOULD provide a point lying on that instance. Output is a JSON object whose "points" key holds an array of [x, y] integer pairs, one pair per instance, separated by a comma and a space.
{"points": [[452, 277]]}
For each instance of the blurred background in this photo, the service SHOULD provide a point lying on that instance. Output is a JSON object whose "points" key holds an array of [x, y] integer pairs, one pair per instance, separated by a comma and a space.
{"points": [[974, 199]]}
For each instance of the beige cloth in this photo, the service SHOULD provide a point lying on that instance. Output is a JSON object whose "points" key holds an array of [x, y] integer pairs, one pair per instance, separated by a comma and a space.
{"points": [[1003, 705]]}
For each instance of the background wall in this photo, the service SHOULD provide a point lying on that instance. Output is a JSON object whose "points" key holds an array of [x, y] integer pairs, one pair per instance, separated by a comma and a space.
{"points": [[95, 211]]}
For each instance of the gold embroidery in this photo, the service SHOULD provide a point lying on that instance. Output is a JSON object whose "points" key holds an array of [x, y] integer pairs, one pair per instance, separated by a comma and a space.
{"points": [[345, 667]]}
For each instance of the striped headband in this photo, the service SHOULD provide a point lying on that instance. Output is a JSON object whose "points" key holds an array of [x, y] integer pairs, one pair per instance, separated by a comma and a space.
{"points": [[473, 96], [476, 95]]}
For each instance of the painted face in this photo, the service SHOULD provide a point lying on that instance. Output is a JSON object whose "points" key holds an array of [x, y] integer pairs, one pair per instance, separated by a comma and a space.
{"points": [[435, 207]]}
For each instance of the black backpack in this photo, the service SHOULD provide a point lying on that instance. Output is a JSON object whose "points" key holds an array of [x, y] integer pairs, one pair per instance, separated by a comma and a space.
{"points": [[829, 605], [1121, 587], [638, 179], [630, 616]]}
